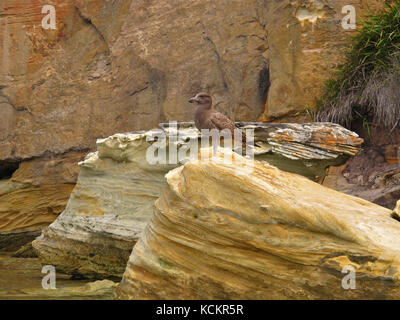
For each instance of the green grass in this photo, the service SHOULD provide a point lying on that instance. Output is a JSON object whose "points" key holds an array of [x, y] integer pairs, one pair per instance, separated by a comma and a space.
{"points": [[366, 85]]}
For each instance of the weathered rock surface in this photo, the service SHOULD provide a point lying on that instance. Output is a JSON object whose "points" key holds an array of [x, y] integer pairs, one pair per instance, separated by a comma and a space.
{"points": [[34, 196], [25, 251], [117, 186], [97, 290], [307, 149], [145, 58], [224, 231], [374, 174], [370, 176], [396, 211], [304, 38], [21, 279], [107, 211]]}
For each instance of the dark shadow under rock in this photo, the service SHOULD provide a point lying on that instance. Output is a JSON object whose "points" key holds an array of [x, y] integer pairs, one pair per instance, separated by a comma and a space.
{"points": [[369, 176]]}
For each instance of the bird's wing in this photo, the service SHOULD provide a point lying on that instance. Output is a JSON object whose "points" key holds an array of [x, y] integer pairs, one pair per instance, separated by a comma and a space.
{"points": [[221, 122]]}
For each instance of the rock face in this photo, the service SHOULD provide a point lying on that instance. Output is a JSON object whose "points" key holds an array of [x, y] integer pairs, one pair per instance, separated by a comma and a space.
{"points": [[21, 280], [370, 176], [307, 149], [33, 198], [117, 187], [374, 174], [146, 63], [229, 231], [107, 211], [304, 38], [119, 66]]}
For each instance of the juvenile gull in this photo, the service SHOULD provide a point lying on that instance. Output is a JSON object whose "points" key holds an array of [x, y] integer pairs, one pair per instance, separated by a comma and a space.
{"points": [[205, 117]]}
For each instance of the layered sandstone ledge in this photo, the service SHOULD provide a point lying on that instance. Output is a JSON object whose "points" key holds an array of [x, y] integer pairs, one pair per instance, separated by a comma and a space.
{"points": [[222, 231], [117, 186], [34, 196], [260, 59]]}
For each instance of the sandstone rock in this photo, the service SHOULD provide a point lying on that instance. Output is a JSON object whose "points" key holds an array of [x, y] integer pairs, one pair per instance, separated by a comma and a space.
{"points": [[369, 176], [21, 279], [305, 41], [224, 231], [145, 63], [34, 196], [101, 289], [119, 66], [117, 186], [57, 86], [396, 211], [392, 153], [25, 251], [107, 211], [130, 55], [307, 149]]}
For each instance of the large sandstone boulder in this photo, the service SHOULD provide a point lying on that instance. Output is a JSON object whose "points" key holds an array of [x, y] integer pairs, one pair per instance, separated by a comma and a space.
{"points": [[227, 230], [117, 187], [119, 66]]}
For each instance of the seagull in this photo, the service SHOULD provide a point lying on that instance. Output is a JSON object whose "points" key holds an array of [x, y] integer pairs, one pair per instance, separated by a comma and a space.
{"points": [[205, 117]]}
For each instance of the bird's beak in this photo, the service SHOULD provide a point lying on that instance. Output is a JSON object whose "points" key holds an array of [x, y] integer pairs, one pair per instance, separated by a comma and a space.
{"points": [[192, 100]]}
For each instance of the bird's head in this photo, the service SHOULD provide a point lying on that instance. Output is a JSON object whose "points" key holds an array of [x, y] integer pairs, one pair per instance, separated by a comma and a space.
{"points": [[201, 99]]}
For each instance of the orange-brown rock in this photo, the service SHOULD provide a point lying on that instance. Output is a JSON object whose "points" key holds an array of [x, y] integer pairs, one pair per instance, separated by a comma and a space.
{"points": [[34, 196], [113, 199], [57, 86], [306, 41], [232, 231], [392, 153], [119, 66]]}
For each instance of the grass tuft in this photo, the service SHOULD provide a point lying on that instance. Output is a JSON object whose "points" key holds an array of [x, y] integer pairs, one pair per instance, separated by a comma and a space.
{"points": [[367, 85]]}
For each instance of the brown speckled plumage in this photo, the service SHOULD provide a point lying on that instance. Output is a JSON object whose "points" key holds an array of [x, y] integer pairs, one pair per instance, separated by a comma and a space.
{"points": [[205, 117]]}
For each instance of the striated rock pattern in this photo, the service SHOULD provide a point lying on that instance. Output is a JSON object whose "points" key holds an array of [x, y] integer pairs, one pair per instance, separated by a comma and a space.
{"points": [[34, 196], [226, 231], [145, 58], [307, 149], [108, 209], [122, 65], [117, 187]]}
